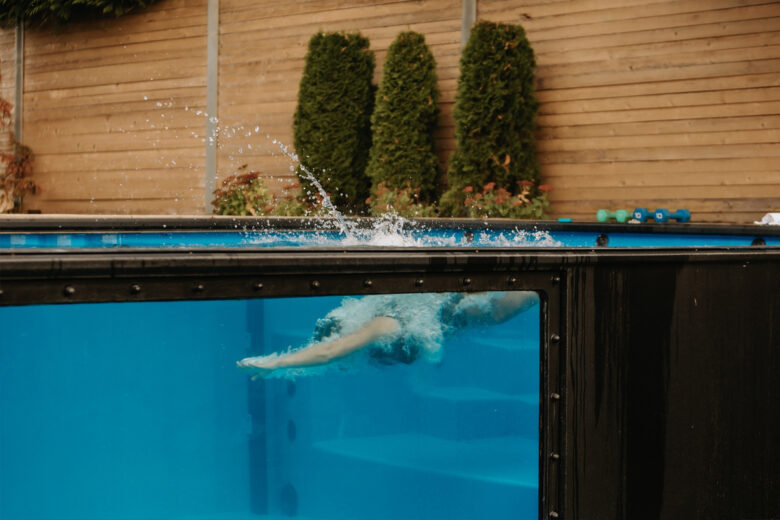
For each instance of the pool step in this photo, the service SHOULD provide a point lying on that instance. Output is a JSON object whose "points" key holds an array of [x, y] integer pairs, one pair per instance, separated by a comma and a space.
{"points": [[460, 413], [417, 476]]}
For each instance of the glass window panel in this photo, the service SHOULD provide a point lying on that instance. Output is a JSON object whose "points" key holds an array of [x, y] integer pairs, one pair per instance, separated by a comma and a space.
{"points": [[138, 410]]}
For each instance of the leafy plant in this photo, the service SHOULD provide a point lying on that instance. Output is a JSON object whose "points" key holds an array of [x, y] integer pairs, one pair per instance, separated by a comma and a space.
{"points": [[331, 125], [15, 180], [494, 113], [42, 11], [404, 202], [493, 202], [405, 117], [245, 194]]}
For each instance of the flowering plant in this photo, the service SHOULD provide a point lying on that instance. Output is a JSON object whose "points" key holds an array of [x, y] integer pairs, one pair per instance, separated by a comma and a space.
{"points": [[404, 202], [14, 180], [500, 203], [245, 194]]}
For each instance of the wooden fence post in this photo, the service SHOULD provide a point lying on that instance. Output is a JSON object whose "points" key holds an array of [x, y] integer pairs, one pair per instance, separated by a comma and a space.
{"points": [[212, 76], [467, 20]]}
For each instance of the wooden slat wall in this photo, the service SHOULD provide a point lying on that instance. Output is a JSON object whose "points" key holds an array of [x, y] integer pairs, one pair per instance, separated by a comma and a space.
{"points": [[659, 104], [262, 48], [109, 112], [7, 81]]}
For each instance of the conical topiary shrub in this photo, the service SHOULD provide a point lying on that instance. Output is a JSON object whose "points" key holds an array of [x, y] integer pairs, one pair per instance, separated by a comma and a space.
{"points": [[404, 119], [332, 122], [494, 114]]}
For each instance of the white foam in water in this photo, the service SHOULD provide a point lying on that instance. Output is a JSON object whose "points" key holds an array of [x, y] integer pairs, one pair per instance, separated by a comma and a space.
{"points": [[517, 238]]}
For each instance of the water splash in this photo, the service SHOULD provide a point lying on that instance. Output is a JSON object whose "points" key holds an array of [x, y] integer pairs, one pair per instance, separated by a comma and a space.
{"points": [[389, 230], [326, 202]]}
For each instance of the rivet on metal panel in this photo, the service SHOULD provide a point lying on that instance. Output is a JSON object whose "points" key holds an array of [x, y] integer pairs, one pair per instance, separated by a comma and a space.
{"points": [[198, 288], [69, 290], [367, 283], [419, 282], [1, 292], [555, 338], [467, 281], [553, 514], [135, 289], [555, 396], [556, 279], [315, 284], [554, 456], [512, 280], [257, 286]]}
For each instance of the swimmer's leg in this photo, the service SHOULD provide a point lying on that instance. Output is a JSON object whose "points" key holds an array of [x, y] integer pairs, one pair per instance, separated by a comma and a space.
{"points": [[322, 353], [509, 305]]}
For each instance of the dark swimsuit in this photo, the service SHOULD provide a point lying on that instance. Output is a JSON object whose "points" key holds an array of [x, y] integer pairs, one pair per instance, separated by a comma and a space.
{"points": [[409, 344]]}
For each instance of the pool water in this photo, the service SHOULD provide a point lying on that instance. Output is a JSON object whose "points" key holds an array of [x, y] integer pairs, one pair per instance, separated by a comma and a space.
{"points": [[138, 411], [395, 237]]}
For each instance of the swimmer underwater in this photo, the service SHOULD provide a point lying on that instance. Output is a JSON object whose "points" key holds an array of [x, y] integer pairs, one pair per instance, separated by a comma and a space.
{"points": [[394, 328]]}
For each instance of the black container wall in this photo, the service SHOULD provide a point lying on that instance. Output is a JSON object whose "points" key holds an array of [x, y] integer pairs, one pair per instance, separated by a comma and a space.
{"points": [[672, 391], [661, 366]]}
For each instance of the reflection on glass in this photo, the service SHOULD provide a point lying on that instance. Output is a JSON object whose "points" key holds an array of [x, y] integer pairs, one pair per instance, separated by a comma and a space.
{"points": [[138, 411]]}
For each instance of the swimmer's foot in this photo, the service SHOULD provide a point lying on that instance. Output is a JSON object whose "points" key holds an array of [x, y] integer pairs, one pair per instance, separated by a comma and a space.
{"points": [[258, 366]]}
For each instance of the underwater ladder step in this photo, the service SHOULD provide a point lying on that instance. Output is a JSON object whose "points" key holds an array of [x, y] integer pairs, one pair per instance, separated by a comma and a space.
{"points": [[417, 476]]}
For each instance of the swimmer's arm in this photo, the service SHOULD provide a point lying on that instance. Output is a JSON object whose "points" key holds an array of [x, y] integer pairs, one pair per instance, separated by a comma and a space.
{"points": [[323, 353], [503, 309]]}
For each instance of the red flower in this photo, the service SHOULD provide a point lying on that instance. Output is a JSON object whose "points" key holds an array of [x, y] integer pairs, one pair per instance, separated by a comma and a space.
{"points": [[489, 186], [545, 187], [468, 189]]}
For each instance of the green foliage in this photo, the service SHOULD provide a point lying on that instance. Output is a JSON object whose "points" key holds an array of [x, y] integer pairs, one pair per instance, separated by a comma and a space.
{"points": [[404, 202], [15, 180], [494, 202], [494, 113], [331, 125], [39, 12], [405, 117], [244, 194]]}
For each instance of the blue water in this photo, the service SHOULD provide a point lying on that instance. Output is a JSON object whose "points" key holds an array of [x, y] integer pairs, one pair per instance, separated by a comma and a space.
{"points": [[409, 238], [136, 411]]}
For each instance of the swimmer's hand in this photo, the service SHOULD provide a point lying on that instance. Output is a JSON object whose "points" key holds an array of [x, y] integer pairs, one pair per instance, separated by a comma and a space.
{"points": [[259, 366]]}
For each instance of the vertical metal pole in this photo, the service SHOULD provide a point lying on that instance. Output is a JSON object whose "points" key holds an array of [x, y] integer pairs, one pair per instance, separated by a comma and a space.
{"points": [[212, 86], [19, 81], [467, 20]]}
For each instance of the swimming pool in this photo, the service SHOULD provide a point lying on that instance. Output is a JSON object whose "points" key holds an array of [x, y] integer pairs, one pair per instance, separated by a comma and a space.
{"points": [[641, 383]]}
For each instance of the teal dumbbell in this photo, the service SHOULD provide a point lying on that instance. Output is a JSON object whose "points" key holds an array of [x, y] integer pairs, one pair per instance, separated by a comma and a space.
{"points": [[642, 214], [603, 215], [664, 215]]}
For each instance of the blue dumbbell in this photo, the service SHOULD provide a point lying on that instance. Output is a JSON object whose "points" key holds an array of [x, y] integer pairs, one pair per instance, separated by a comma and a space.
{"points": [[664, 215], [642, 214]]}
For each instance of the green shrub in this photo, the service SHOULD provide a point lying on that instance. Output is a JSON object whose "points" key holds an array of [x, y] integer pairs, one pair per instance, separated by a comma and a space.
{"points": [[331, 125], [15, 180], [244, 194], [494, 113], [43, 11], [404, 119], [492, 202], [404, 202]]}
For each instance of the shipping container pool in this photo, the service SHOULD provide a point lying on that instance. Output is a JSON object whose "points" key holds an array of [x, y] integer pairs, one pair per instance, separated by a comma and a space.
{"points": [[637, 379]]}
